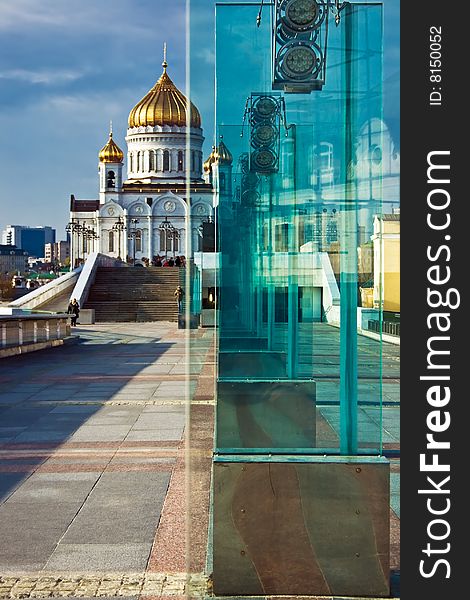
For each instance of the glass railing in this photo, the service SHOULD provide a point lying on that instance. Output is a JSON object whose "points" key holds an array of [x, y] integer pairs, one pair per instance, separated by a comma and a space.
{"points": [[296, 211]]}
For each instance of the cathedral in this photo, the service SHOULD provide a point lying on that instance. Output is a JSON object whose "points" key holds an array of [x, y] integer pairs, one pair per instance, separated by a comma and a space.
{"points": [[160, 207]]}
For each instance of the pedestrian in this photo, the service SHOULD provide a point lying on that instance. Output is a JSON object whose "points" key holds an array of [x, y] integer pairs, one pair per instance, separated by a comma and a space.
{"points": [[179, 293], [177, 261], [74, 310], [171, 263]]}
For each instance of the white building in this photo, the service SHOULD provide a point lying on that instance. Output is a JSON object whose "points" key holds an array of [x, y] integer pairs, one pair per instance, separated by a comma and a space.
{"points": [[57, 252], [150, 210]]}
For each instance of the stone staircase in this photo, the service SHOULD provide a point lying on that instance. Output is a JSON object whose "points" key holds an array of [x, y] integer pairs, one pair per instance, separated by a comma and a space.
{"points": [[127, 294]]}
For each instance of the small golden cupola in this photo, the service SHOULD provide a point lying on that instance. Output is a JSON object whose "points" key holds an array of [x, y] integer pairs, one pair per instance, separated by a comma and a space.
{"points": [[111, 153], [210, 160], [220, 155], [163, 105], [223, 154]]}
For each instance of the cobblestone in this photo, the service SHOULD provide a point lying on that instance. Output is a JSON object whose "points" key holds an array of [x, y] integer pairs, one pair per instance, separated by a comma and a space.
{"points": [[94, 586]]}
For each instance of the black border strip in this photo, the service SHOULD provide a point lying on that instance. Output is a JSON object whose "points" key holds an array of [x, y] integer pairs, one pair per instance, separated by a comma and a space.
{"points": [[430, 124]]}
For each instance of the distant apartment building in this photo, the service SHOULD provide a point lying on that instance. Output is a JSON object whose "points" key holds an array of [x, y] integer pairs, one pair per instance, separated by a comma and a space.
{"points": [[58, 252], [31, 239], [12, 259]]}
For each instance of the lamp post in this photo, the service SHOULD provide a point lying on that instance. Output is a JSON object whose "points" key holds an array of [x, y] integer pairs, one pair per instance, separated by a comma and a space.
{"points": [[175, 235], [119, 226], [132, 234], [167, 227], [75, 229], [300, 39], [82, 231], [90, 236]]}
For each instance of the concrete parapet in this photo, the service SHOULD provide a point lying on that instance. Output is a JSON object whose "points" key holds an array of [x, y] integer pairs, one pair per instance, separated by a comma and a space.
{"points": [[47, 292], [20, 333]]}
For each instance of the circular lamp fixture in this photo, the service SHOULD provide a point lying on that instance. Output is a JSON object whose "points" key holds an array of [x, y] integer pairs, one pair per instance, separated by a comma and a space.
{"points": [[264, 159], [264, 134], [300, 15], [250, 180], [264, 108], [250, 197], [300, 61]]}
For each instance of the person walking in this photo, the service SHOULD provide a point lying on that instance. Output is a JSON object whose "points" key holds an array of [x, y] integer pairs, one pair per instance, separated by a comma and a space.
{"points": [[74, 310], [179, 293]]}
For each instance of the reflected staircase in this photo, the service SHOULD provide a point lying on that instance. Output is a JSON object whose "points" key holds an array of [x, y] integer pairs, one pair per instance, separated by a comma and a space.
{"points": [[135, 294]]}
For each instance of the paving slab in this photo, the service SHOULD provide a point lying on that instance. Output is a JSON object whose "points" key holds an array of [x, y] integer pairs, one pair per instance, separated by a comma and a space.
{"points": [[114, 524], [155, 434], [39, 488], [110, 490], [104, 433], [94, 558]]}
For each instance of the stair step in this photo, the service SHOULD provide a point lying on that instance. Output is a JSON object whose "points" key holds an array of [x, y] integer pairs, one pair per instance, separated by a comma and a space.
{"points": [[130, 294]]}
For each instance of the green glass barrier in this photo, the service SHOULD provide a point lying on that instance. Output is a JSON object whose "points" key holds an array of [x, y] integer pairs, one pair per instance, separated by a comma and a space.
{"points": [[296, 373]]}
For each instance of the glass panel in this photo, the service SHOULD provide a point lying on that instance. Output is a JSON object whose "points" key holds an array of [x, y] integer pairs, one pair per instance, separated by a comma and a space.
{"points": [[296, 373]]}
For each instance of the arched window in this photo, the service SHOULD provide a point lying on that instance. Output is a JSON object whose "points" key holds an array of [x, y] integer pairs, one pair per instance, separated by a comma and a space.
{"points": [[111, 179], [166, 160], [111, 241], [222, 182], [138, 241], [131, 162], [151, 160], [169, 240], [192, 161], [180, 161]]}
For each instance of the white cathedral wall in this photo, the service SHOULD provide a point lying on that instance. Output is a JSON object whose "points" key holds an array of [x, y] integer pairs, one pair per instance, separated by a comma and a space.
{"points": [[143, 140], [127, 206]]}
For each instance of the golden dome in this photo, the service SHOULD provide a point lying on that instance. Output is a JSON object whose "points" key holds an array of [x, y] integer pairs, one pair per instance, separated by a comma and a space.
{"points": [[111, 151], [223, 154], [220, 155], [210, 160], [164, 104]]}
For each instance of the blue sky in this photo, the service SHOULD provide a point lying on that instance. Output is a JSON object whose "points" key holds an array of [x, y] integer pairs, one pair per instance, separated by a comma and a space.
{"points": [[69, 66]]}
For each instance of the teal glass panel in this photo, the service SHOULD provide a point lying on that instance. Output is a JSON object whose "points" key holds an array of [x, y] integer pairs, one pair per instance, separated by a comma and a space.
{"points": [[299, 241]]}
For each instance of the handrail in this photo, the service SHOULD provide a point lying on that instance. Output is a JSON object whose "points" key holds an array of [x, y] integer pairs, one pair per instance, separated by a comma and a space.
{"points": [[88, 274], [38, 296]]}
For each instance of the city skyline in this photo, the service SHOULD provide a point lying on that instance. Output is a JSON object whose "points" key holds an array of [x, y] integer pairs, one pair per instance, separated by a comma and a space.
{"points": [[69, 77]]}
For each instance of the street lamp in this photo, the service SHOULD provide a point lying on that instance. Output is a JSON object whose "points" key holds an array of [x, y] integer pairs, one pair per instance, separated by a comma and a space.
{"points": [[132, 234], [90, 236], [75, 229], [81, 231], [167, 227], [175, 235], [300, 36], [119, 226]]}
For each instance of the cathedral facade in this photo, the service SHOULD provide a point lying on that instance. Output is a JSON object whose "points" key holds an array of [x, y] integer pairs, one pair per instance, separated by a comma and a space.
{"points": [[157, 208]]}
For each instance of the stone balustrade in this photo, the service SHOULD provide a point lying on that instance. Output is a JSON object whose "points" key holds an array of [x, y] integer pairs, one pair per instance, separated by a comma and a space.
{"points": [[22, 332]]}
